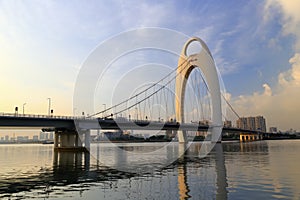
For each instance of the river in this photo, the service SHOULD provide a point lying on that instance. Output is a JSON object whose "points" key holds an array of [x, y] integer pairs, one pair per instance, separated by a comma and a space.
{"points": [[232, 170]]}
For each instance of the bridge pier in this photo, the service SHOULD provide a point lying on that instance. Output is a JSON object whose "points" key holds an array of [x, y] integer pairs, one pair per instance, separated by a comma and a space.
{"points": [[70, 140], [87, 139], [246, 137]]}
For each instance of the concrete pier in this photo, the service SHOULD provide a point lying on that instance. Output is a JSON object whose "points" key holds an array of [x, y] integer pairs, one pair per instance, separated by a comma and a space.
{"points": [[246, 137], [71, 140]]}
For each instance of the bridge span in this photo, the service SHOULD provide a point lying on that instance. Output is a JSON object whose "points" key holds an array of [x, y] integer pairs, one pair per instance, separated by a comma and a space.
{"points": [[9, 120], [73, 133]]}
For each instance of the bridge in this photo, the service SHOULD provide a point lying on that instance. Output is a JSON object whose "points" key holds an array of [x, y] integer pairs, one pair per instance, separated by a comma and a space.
{"points": [[73, 133], [9, 120]]}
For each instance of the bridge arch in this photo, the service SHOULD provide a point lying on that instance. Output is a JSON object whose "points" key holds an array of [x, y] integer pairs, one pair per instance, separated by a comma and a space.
{"points": [[205, 62]]}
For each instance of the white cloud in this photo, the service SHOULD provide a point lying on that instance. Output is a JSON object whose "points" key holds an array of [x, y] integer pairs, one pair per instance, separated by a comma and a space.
{"points": [[290, 17], [280, 103], [267, 90]]}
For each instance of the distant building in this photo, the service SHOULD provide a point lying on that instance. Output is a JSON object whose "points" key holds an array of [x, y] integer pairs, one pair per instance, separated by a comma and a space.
{"points": [[44, 135], [20, 138], [273, 130], [242, 123], [51, 136], [291, 131], [260, 123], [227, 124], [252, 123], [35, 138]]}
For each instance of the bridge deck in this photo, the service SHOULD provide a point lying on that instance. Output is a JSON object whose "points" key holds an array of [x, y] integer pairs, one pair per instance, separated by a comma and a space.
{"points": [[68, 122]]}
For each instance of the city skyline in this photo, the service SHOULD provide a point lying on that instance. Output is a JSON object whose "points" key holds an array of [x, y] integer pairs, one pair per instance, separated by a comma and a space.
{"points": [[256, 47]]}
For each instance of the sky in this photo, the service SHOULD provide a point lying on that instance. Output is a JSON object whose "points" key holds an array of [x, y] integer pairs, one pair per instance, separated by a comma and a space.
{"points": [[255, 44]]}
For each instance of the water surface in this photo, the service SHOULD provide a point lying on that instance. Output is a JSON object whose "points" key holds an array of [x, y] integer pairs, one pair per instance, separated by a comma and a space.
{"points": [[256, 170]]}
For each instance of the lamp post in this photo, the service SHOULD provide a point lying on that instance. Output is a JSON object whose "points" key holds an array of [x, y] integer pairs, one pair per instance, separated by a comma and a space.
{"points": [[23, 107], [49, 105], [137, 114]]}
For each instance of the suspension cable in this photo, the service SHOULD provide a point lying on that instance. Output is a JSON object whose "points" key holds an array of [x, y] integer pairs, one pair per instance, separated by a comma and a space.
{"points": [[153, 93], [103, 111]]}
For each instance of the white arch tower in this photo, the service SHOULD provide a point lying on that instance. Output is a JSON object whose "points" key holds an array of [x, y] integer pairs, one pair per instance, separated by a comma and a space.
{"points": [[205, 62]]}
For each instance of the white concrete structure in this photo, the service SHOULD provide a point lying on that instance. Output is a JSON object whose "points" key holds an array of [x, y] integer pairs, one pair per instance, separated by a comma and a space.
{"points": [[205, 62]]}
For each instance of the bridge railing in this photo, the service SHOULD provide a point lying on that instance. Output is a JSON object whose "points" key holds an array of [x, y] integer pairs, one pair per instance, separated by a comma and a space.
{"points": [[43, 116]]}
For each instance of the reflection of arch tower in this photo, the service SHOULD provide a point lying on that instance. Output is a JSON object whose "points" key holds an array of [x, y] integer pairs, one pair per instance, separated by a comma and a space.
{"points": [[205, 62]]}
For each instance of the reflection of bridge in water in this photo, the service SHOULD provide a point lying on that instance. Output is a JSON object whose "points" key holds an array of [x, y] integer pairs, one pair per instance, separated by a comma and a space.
{"points": [[75, 172]]}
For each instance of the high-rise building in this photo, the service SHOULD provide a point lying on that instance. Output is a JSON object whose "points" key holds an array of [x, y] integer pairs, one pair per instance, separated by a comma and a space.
{"points": [[260, 123], [242, 123], [257, 123], [251, 123]]}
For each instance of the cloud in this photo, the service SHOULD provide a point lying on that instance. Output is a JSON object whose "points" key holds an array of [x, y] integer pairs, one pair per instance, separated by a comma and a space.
{"points": [[279, 103], [267, 90], [290, 17]]}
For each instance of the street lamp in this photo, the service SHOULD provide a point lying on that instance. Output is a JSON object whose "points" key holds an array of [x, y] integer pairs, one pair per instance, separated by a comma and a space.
{"points": [[49, 105], [23, 107]]}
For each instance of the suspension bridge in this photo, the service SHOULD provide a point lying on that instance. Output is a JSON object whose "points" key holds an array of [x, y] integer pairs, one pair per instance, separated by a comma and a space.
{"points": [[186, 100]]}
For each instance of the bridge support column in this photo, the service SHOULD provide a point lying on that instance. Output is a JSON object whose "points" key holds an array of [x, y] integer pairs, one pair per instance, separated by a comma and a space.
{"points": [[246, 137], [68, 140], [87, 139], [241, 137], [56, 138]]}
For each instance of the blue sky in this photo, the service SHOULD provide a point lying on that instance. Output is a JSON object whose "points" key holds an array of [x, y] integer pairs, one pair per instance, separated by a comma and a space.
{"points": [[44, 43]]}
